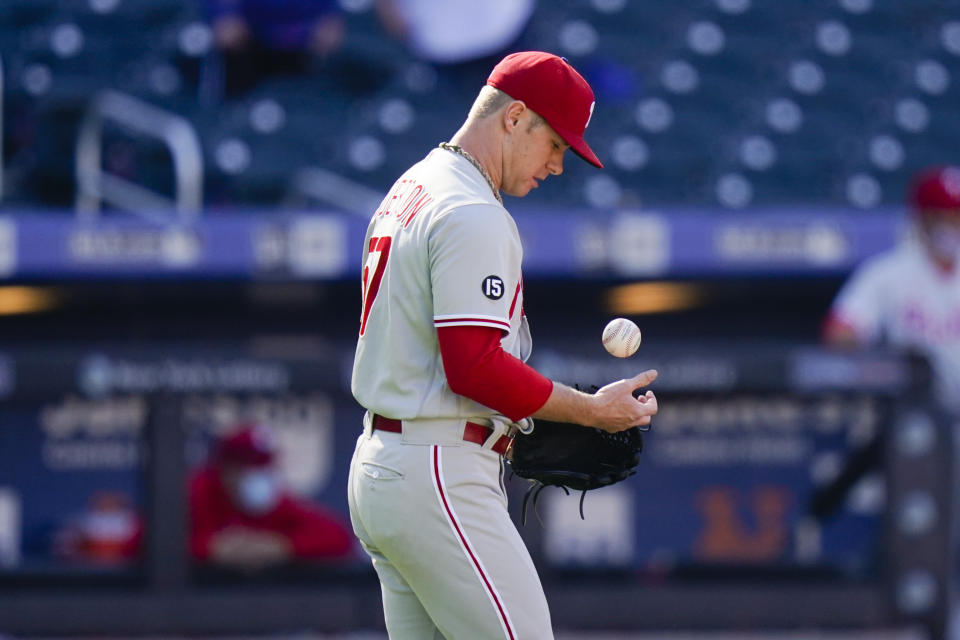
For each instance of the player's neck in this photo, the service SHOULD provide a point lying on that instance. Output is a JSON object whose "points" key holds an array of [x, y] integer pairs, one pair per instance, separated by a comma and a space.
{"points": [[944, 266], [479, 145]]}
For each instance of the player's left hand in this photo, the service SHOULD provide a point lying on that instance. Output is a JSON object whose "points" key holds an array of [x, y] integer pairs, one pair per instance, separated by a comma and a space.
{"points": [[617, 408]]}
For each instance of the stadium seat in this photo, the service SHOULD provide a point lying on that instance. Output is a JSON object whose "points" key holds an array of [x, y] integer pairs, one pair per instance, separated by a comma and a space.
{"points": [[679, 87]]}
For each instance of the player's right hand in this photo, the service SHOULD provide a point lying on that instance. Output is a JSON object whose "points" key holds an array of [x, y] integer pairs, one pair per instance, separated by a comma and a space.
{"points": [[616, 407]]}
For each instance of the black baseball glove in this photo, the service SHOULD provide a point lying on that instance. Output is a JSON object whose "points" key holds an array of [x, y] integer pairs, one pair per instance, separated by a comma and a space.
{"points": [[575, 457]]}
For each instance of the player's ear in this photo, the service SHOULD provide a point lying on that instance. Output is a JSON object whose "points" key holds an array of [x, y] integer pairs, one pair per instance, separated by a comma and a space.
{"points": [[512, 114]]}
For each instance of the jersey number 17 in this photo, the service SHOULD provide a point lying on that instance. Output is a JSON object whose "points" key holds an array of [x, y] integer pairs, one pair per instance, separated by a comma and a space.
{"points": [[378, 251]]}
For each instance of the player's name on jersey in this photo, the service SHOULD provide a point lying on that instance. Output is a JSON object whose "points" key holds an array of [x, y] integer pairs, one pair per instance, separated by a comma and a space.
{"points": [[404, 201]]}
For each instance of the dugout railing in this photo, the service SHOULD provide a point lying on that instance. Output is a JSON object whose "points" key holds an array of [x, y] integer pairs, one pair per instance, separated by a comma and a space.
{"points": [[96, 186]]}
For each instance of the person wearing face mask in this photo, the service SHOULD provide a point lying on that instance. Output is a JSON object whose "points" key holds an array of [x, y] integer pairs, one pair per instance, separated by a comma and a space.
{"points": [[109, 531], [242, 516], [909, 296]]}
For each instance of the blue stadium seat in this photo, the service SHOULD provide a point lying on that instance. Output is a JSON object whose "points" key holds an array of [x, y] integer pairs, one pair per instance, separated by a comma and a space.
{"points": [[840, 74]]}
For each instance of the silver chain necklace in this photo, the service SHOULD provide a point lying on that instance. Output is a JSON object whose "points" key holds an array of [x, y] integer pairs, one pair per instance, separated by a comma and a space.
{"points": [[457, 149]]}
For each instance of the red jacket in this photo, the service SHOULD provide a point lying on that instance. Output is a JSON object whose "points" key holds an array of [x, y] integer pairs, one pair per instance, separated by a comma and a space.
{"points": [[313, 532]]}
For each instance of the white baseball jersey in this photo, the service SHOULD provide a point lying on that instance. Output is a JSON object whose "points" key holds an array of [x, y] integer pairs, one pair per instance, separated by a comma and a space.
{"points": [[901, 298], [440, 251]]}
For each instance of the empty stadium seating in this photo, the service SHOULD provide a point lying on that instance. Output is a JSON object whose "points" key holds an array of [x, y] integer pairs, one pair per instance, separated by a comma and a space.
{"points": [[730, 103]]}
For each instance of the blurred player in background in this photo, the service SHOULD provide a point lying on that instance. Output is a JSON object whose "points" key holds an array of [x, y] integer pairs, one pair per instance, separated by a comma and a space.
{"points": [[109, 531], [909, 296], [440, 364], [242, 516]]}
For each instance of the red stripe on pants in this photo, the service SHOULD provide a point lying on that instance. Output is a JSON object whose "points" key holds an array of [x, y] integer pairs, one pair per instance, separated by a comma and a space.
{"points": [[435, 455]]}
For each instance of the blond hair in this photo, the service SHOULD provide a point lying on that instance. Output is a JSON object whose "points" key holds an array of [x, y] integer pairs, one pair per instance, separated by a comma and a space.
{"points": [[491, 100]]}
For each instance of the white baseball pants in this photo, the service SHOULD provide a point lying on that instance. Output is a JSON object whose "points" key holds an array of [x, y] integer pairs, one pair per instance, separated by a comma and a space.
{"points": [[434, 520]]}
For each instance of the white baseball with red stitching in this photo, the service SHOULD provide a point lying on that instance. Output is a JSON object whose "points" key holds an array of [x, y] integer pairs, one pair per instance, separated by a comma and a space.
{"points": [[621, 337]]}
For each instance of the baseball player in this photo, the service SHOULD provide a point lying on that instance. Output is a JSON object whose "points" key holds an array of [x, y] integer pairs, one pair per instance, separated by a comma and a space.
{"points": [[440, 365], [909, 296]]}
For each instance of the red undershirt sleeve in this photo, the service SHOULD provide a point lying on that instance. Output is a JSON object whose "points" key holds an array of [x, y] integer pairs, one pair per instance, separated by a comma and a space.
{"points": [[477, 367]]}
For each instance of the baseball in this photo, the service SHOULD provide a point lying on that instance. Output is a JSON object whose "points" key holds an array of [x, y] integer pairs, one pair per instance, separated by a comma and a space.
{"points": [[621, 337]]}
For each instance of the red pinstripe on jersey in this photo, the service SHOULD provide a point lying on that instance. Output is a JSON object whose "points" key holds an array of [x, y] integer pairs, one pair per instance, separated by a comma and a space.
{"points": [[516, 294], [435, 472], [487, 321]]}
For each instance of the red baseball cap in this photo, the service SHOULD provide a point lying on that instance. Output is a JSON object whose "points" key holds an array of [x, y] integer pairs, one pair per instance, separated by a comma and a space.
{"points": [[247, 444], [552, 88], [936, 189]]}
